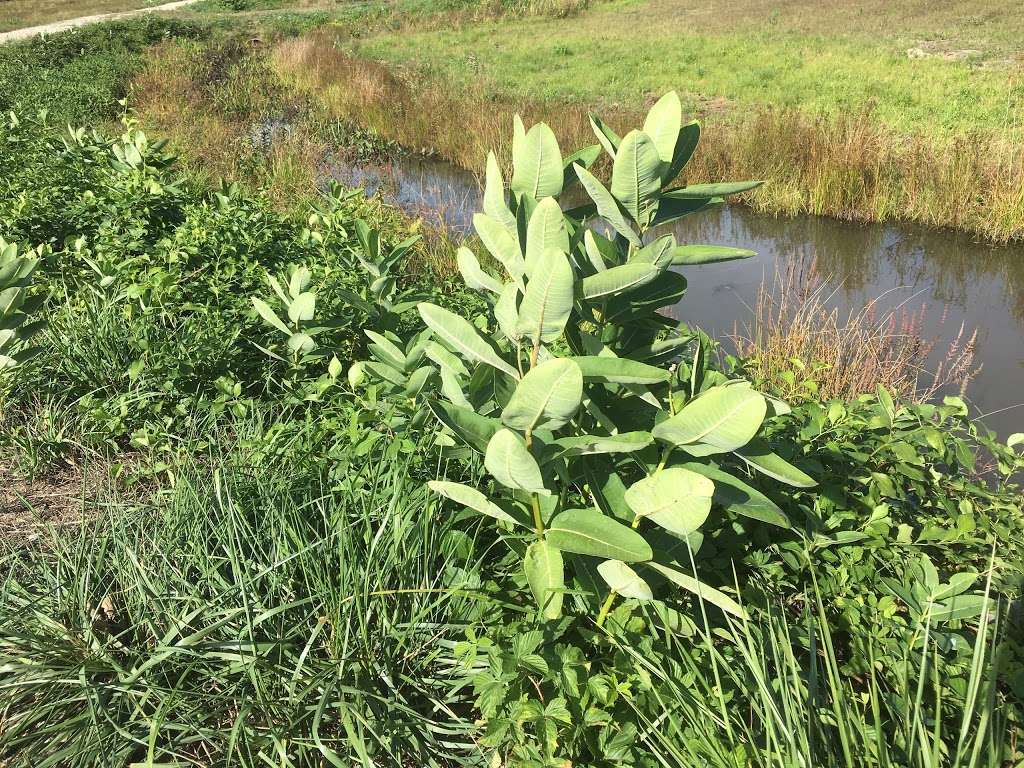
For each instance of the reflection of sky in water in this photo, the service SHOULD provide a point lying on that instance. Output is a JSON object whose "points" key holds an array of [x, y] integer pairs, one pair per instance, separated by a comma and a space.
{"points": [[957, 281]]}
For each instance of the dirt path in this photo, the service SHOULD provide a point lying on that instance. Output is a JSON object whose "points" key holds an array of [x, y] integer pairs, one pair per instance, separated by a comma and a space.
{"points": [[81, 21]]}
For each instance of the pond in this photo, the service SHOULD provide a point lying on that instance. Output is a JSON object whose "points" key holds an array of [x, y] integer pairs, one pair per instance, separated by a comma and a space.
{"points": [[945, 279]]}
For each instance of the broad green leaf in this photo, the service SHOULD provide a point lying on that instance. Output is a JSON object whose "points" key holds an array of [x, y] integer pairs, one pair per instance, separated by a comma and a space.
{"points": [[645, 301], [696, 191], [302, 308], [761, 458], [584, 157], [672, 208], [722, 419], [418, 380], [473, 429], [452, 389], [960, 607], [545, 573], [495, 204], [735, 495], [545, 231], [269, 315], [675, 498], [686, 143], [502, 245], [506, 311], [658, 252], [708, 254], [445, 359], [459, 334], [589, 445], [593, 251], [588, 532], [537, 162], [471, 498], [386, 350], [607, 206], [299, 281], [608, 138], [663, 123], [474, 274], [706, 593], [547, 302], [548, 395], [636, 176], [510, 462], [619, 370], [624, 580], [301, 342], [619, 279]]}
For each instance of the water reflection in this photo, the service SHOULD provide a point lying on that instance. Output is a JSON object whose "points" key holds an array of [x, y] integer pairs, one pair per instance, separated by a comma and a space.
{"points": [[956, 281]]}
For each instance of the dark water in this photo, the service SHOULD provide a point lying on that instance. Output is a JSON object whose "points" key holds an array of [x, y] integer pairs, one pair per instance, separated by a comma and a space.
{"points": [[947, 280]]}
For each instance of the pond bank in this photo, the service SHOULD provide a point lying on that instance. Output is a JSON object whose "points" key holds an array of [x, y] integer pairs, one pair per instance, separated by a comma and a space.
{"points": [[848, 166]]}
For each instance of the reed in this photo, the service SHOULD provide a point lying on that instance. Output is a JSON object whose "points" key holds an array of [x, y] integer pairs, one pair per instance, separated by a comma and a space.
{"points": [[799, 345]]}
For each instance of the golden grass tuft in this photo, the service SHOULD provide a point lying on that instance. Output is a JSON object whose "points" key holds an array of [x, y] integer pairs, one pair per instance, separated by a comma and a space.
{"points": [[798, 345]]}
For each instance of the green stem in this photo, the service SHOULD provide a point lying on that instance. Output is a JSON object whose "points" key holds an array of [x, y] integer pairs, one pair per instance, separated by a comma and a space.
{"points": [[605, 608], [538, 521]]}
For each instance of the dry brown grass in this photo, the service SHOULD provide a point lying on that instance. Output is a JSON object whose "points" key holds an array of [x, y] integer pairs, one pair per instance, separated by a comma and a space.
{"points": [[798, 344], [848, 167]]}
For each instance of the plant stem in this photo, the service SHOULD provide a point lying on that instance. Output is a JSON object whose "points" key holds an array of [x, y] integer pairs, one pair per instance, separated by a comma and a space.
{"points": [[538, 521], [605, 608]]}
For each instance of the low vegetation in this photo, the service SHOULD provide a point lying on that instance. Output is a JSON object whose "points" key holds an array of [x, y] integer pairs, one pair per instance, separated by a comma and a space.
{"points": [[872, 144], [336, 508]]}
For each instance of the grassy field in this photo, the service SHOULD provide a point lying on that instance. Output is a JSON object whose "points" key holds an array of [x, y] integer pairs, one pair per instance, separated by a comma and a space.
{"points": [[908, 113], [16, 14]]}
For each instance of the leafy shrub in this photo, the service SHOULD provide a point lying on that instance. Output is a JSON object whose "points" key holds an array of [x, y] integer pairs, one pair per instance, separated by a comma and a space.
{"points": [[81, 74]]}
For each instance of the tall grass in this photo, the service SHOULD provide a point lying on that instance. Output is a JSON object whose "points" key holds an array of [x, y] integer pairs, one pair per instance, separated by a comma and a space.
{"points": [[798, 343], [848, 167], [255, 612]]}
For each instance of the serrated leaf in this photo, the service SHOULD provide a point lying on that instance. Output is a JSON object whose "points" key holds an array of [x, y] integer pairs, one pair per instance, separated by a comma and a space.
{"points": [[547, 396], [588, 532]]}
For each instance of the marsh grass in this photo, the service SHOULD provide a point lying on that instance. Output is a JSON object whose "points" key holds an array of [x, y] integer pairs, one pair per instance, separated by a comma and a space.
{"points": [[846, 165], [250, 612], [798, 343]]}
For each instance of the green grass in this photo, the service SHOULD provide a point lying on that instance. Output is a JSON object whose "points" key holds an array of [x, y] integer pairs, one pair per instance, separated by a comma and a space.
{"points": [[17, 14], [626, 52]]}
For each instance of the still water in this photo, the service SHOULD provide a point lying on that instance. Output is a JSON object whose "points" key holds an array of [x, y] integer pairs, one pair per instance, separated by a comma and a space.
{"points": [[948, 280]]}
